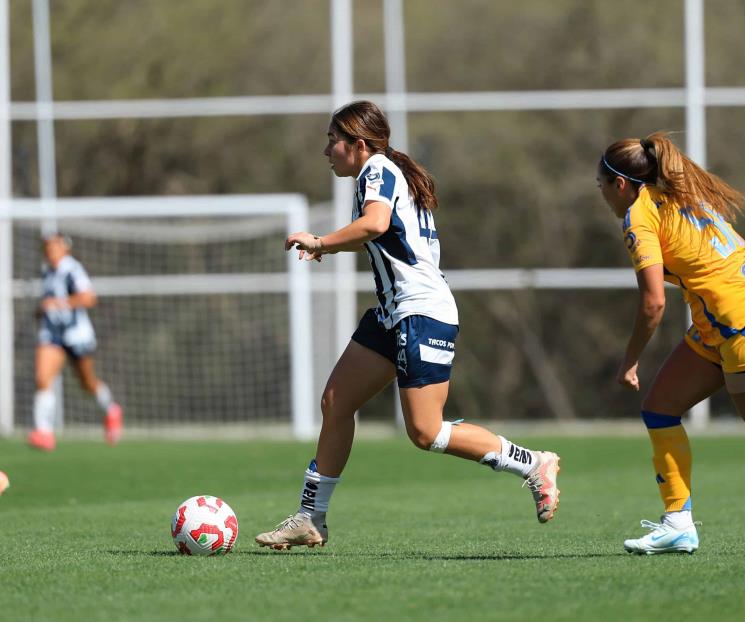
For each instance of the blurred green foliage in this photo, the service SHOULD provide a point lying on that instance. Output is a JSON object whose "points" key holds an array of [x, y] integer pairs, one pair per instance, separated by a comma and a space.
{"points": [[517, 189]]}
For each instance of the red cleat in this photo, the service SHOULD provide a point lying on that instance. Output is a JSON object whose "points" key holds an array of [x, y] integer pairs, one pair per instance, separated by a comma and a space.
{"points": [[113, 424], [4, 482], [40, 439]]}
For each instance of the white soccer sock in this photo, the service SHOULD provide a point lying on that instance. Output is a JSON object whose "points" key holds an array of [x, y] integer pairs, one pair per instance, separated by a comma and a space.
{"points": [[512, 458], [678, 520], [44, 410], [103, 396], [316, 493]]}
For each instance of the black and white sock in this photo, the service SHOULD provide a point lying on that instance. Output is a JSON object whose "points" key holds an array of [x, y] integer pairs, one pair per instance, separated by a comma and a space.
{"points": [[316, 492], [512, 458]]}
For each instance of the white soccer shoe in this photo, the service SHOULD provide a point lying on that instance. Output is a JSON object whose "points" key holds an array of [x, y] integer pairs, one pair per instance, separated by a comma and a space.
{"points": [[542, 483], [663, 539], [297, 530]]}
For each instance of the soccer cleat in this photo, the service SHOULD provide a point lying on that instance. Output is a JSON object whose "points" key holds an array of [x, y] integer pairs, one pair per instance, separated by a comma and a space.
{"points": [[542, 483], [41, 439], [113, 424], [664, 539], [297, 530]]}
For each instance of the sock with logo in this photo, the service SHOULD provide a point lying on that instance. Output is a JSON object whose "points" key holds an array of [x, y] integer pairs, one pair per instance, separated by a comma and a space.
{"points": [[316, 493], [511, 458], [671, 459], [44, 410]]}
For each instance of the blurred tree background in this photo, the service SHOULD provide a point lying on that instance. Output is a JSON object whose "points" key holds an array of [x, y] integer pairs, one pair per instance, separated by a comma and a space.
{"points": [[516, 189]]}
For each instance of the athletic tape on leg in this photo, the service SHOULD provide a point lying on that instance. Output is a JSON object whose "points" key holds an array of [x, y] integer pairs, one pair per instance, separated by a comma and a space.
{"points": [[440, 444]]}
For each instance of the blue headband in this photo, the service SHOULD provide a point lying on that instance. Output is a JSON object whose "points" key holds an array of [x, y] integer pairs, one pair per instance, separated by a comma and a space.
{"points": [[629, 177]]}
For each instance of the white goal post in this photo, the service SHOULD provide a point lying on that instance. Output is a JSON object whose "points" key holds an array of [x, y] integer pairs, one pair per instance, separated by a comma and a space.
{"points": [[158, 218]]}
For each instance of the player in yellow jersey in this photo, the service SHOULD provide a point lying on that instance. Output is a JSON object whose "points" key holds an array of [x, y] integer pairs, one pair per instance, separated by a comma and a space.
{"points": [[676, 225]]}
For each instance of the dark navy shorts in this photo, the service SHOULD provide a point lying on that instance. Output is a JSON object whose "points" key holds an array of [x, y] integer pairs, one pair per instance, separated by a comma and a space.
{"points": [[422, 349], [75, 349]]}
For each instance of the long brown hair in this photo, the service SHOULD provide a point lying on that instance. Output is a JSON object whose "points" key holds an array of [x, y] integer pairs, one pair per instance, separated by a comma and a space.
{"points": [[656, 161], [364, 120]]}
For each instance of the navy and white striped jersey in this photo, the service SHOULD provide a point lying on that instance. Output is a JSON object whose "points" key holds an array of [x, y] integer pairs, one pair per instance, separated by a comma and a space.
{"points": [[406, 258], [69, 278]]}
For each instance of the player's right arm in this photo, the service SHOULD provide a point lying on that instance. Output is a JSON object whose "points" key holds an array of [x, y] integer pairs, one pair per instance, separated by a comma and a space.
{"points": [[374, 221], [649, 312], [642, 239]]}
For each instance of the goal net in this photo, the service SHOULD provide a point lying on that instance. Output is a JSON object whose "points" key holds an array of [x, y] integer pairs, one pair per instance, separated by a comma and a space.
{"points": [[202, 318]]}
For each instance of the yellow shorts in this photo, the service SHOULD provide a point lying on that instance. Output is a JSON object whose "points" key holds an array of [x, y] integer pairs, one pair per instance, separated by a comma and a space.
{"points": [[730, 355]]}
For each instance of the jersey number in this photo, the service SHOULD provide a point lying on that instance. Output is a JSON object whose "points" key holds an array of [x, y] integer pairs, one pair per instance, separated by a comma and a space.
{"points": [[732, 241]]}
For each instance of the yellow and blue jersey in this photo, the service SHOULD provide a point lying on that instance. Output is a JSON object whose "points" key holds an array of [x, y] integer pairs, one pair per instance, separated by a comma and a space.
{"points": [[703, 255]]}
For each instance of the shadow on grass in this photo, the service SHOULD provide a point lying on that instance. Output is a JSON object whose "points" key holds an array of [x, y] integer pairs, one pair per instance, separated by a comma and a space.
{"points": [[266, 553], [403, 556], [134, 553], [408, 556]]}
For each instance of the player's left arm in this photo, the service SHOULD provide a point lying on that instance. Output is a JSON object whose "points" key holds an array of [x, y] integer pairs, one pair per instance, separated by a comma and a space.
{"points": [[80, 290], [649, 312], [82, 300], [374, 221]]}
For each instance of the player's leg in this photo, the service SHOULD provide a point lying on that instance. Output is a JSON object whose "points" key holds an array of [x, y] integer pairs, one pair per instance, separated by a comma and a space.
{"points": [[733, 363], [112, 411], [422, 408], [737, 394], [359, 375], [425, 352], [49, 361], [689, 375], [684, 379]]}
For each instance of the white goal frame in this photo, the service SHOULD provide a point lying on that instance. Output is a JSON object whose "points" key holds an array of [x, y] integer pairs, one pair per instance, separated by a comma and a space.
{"points": [[295, 281]]}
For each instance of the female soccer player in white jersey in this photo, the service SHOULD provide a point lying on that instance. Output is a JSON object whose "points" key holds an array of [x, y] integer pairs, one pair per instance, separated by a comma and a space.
{"points": [[66, 331], [409, 336]]}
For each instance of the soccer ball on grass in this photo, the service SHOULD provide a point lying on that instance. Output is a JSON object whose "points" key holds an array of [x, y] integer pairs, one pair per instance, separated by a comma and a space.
{"points": [[204, 525]]}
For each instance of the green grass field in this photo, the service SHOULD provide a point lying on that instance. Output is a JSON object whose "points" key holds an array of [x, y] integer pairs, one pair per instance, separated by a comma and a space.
{"points": [[413, 536]]}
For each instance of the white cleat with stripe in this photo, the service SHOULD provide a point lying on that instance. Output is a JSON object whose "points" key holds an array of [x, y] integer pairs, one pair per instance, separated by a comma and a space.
{"points": [[663, 539]]}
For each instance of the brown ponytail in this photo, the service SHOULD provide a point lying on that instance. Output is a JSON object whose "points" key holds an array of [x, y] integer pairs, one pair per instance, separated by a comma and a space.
{"points": [[363, 119], [656, 161], [421, 184]]}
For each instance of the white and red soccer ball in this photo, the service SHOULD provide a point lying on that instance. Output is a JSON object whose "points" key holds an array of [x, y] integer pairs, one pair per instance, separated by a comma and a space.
{"points": [[204, 525]]}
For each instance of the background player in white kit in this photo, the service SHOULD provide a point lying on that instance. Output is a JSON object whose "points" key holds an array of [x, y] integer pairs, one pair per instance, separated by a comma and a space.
{"points": [[66, 331], [409, 336]]}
